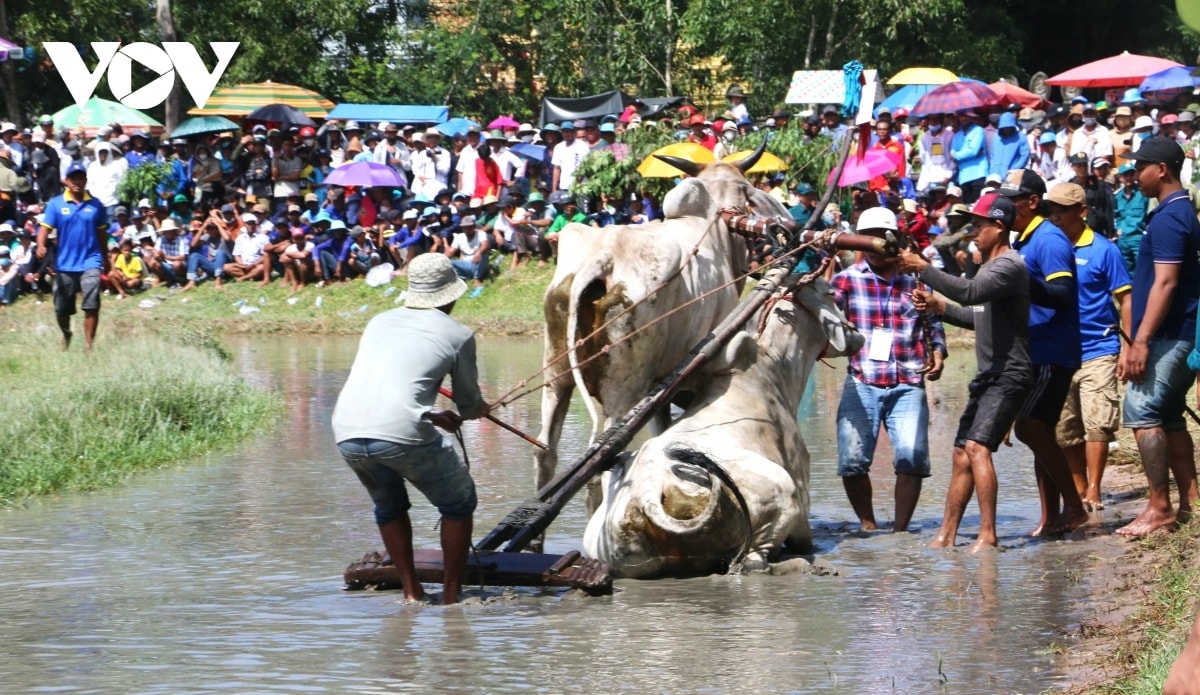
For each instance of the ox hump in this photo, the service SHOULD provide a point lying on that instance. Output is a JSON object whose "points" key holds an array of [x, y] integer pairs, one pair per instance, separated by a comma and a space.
{"points": [[689, 199]]}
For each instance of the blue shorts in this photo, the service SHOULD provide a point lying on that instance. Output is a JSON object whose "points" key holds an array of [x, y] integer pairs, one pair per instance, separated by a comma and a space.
{"points": [[903, 409], [1159, 399], [434, 469]]}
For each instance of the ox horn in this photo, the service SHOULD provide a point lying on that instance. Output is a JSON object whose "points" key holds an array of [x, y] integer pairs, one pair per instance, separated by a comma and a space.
{"points": [[745, 164], [687, 166]]}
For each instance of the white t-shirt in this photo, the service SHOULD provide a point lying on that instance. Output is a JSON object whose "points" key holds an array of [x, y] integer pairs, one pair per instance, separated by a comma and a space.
{"points": [[468, 246], [567, 158], [249, 249], [466, 167], [502, 225]]}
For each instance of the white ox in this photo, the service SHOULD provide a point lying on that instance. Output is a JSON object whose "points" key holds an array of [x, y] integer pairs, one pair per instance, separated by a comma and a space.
{"points": [[603, 271], [730, 477]]}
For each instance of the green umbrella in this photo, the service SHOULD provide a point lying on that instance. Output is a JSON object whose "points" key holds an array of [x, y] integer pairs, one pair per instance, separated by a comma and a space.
{"points": [[99, 112], [202, 125]]}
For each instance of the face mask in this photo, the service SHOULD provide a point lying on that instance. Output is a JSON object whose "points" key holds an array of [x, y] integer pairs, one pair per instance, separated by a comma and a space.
{"points": [[994, 118], [730, 136], [1141, 136], [827, 219], [202, 157], [1075, 122], [309, 142], [935, 128], [526, 139], [5, 262], [1089, 122]]}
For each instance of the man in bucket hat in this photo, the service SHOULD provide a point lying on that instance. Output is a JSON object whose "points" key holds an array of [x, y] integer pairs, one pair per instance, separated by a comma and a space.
{"points": [[385, 429]]}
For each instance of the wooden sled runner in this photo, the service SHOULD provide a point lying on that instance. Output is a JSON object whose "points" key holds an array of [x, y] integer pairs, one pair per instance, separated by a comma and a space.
{"points": [[490, 568]]}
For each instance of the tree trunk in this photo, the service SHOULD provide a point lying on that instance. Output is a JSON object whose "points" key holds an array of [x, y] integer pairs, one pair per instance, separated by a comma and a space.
{"points": [[829, 43], [812, 40], [12, 103], [166, 32], [669, 60]]}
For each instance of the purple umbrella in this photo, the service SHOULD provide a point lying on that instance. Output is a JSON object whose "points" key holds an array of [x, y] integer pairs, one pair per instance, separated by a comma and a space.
{"points": [[365, 174], [956, 96]]}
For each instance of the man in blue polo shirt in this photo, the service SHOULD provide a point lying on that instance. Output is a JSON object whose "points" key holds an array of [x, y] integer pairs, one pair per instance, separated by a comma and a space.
{"points": [[1054, 346], [1093, 412], [1166, 287], [81, 224]]}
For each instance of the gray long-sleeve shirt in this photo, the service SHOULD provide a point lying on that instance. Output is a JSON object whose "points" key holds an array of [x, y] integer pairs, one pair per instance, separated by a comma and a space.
{"points": [[402, 358], [995, 303]]}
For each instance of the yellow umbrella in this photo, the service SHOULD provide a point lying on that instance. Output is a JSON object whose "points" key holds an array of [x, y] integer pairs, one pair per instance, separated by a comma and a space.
{"points": [[767, 162], [923, 76], [654, 168], [241, 99]]}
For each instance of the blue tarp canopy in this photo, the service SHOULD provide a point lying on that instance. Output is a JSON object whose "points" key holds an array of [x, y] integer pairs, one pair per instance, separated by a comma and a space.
{"points": [[392, 113]]}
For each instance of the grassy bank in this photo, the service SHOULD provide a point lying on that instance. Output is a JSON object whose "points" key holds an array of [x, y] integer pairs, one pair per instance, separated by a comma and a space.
{"points": [[511, 304], [77, 421]]}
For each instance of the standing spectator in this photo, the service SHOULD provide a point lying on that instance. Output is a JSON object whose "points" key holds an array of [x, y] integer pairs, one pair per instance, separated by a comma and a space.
{"points": [[257, 176], [81, 225], [1050, 161], [1054, 347], [1092, 139], [1010, 147], [567, 156], [12, 185], [1166, 287], [465, 167], [970, 156], [995, 303], [431, 166], [933, 154], [207, 177], [1092, 413], [885, 384], [487, 174], [1130, 220], [285, 173]]}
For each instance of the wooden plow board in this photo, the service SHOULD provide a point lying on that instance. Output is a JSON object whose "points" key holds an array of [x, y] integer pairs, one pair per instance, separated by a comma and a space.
{"points": [[487, 567]]}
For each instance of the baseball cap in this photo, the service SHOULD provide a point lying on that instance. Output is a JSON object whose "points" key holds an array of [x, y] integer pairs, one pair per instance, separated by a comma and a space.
{"points": [[1067, 194], [1047, 138], [1100, 162], [1126, 168], [1158, 150], [76, 168], [1078, 158], [249, 217], [310, 197], [121, 210], [953, 190], [1022, 182], [411, 214], [293, 208], [995, 206], [1123, 111], [467, 221], [805, 189], [227, 209]]}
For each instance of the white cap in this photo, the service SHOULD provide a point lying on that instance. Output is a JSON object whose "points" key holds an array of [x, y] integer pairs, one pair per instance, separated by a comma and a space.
{"points": [[1143, 122], [411, 214], [953, 190], [249, 217], [877, 218], [729, 125], [144, 203], [6, 227]]}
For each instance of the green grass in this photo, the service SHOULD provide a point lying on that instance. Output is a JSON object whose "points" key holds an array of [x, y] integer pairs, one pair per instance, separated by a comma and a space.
{"points": [[1160, 627], [511, 304], [77, 421]]}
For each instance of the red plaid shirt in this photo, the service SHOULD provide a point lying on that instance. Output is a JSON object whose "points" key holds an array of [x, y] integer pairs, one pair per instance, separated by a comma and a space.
{"points": [[871, 302]]}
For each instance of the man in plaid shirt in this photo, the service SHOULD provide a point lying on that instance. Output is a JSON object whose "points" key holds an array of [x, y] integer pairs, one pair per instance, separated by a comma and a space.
{"points": [[171, 252], [884, 383]]}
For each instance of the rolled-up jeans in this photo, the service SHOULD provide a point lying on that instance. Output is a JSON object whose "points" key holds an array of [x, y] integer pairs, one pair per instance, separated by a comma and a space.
{"points": [[468, 269], [328, 263], [198, 260], [8, 293]]}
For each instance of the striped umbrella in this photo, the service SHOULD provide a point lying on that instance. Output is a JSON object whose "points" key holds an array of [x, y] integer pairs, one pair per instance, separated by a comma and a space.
{"points": [[97, 112], [956, 96], [241, 99]]}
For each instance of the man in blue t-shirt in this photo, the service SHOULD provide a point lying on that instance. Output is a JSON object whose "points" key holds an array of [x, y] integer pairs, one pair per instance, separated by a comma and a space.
{"points": [[81, 224], [1054, 347], [1166, 287], [1093, 412]]}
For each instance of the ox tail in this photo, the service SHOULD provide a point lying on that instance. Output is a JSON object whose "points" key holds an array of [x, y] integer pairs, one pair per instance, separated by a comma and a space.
{"points": [[588, 286]]}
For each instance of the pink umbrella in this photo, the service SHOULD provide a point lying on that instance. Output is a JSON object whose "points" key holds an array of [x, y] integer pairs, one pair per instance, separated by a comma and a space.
{"points": [[1125, 70], [874, 163], [503, 122]]}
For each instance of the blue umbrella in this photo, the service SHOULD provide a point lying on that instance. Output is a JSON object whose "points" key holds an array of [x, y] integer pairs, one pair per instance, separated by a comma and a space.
{"points": [[456, 126], [905, 97], [202, 125], [1165, 85], [535, 152]]}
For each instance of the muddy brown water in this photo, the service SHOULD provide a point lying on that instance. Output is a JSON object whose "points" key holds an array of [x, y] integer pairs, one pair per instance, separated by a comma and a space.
{"points": [[224, 576]]}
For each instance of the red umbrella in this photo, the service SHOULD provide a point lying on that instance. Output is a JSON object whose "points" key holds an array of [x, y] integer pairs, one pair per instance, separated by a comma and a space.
{"points": [[1125, 70], [503, 122], [1012, 94], [956, 96], [874, 163]]}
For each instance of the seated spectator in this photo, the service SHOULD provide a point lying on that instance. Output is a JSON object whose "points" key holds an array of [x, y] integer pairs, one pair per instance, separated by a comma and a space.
{"points": [[332, 253], [128, 273], [363, 255], [299, 266], [208, 252], [171, 252], [406, 242], [248, 251], [468, 251], [10, 278], [570, 213]]}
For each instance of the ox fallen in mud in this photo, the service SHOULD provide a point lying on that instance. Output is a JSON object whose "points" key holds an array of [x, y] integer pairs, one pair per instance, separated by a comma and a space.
{"points": [[729, 478], [603, 272]]}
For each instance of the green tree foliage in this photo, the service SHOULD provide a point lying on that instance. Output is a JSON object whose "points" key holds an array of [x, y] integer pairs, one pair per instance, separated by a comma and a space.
{"points": [[484, 57]]}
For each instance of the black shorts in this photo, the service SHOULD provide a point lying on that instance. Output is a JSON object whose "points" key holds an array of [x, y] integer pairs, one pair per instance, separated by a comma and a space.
{"points": [[69, 284], [1050, 388], [991, 410]]}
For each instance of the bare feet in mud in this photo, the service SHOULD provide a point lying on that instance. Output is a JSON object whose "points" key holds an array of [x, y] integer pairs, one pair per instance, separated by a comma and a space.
{"points": [[941, 541], [1067, 521], [984, 545], [1147, 523]]}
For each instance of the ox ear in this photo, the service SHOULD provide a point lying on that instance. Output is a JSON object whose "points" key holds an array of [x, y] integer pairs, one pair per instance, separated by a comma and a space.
{"points": [[844, 338], [739, 354], [745, 164], [687, 166]]}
